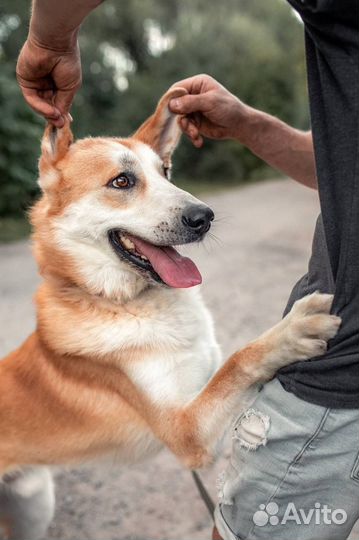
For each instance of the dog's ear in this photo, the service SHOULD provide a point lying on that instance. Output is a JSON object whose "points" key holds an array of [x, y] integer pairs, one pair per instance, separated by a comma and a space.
{"points": [[161, 131], [54, 147]]}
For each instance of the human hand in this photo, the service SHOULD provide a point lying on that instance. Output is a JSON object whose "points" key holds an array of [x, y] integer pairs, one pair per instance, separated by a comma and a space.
{"points": [[49, 79], [210, 110]]}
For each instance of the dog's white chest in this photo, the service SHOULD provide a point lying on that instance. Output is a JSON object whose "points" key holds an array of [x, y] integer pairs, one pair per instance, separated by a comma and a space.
{"points": [[185, 356], [175, 378]]}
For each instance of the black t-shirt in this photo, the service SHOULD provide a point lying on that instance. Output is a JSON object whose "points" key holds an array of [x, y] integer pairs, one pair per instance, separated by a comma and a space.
{"points": [[331, 36]]}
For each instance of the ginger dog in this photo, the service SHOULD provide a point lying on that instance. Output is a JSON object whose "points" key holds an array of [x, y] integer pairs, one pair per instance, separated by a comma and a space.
{"points": [[124, 358]]}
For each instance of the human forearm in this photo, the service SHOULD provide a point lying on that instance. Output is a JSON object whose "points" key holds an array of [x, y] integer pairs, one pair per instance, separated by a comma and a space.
{"points": [[54, 24], [281, 146], [49, 65]]}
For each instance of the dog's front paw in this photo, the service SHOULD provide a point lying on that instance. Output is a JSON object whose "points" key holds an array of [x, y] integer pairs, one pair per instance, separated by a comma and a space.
{"points": [[307, 328]]}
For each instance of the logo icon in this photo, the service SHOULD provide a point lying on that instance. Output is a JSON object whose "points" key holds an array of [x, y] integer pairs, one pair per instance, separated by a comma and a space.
{"points": [[266, 514]]}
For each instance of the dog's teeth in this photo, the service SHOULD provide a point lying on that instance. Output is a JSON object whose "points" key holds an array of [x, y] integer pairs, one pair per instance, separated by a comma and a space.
{"points": [[127, 243], [144, 258]]}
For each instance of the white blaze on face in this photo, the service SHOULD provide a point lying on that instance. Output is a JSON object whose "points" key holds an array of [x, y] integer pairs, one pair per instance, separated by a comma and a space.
{"points": [[163, 202]]}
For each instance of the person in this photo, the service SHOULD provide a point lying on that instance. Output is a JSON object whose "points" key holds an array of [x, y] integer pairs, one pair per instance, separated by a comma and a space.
{"points": [[294, 469]]}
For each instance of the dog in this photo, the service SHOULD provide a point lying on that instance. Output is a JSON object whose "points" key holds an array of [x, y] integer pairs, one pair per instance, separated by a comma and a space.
{"points": [[124, 358]]}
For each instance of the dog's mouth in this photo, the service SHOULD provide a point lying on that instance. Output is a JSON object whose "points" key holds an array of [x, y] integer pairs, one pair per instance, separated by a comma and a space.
{"points": [[162, 263]]}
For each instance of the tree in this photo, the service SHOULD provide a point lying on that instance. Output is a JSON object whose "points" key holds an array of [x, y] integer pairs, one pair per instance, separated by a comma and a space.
{"points": [[132, 52]]}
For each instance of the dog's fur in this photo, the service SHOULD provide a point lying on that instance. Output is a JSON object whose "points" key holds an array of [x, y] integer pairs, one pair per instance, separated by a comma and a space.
{"points": [[119, 363]]}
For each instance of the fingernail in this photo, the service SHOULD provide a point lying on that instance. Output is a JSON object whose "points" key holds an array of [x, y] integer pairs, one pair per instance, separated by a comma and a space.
{"points": [[198, 142], [193, 131], [175, 104], [70, 117]]}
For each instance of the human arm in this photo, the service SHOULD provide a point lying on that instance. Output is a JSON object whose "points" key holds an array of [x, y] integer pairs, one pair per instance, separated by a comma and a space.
{"points": [[283, 147], [212, 111], [49, 66]]}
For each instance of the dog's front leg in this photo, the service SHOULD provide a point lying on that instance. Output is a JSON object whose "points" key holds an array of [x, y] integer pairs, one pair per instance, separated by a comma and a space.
{"points": [[192, 432]]}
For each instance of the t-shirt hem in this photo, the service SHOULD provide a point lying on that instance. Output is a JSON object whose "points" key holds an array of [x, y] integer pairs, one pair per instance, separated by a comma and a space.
{"points": [[323, 399]]}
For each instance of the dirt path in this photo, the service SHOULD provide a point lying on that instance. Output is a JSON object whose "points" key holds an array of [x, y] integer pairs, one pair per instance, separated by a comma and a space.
{"points": [[264, 235]]}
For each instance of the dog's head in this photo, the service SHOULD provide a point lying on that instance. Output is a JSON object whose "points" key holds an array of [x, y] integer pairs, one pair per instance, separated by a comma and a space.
{"points": [[109, 216]]}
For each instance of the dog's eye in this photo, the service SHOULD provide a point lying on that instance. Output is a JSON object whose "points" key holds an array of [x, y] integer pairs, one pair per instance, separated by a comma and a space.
{"points": [[122, 181]]}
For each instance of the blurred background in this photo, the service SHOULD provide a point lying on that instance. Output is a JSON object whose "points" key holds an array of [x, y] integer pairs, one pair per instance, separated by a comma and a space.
{"points": [[131, 53]]}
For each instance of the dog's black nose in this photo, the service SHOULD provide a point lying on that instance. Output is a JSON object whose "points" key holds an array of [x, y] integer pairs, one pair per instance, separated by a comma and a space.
{"points": [[197, 218]]}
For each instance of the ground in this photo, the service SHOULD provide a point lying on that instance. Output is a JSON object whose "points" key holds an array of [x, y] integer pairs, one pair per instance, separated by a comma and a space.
{"points": [[261, 247]]}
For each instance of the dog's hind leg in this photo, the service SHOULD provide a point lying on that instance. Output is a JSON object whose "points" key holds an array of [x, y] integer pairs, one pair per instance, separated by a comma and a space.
{"points": [[27, 503]]}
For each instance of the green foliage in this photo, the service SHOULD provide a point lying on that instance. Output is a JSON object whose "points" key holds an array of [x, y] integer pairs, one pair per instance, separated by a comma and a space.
{"points": [[131, 53], [20, 132]]}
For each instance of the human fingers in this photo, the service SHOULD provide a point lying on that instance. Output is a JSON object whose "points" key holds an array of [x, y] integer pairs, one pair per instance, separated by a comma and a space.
{"points": [[191, 130], [197, 84], [64, 99], [189, 104], [41, 105]]}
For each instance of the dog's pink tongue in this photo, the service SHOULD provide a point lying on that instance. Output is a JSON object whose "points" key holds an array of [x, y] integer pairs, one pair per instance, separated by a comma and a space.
{"points": [[173, 269]]}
